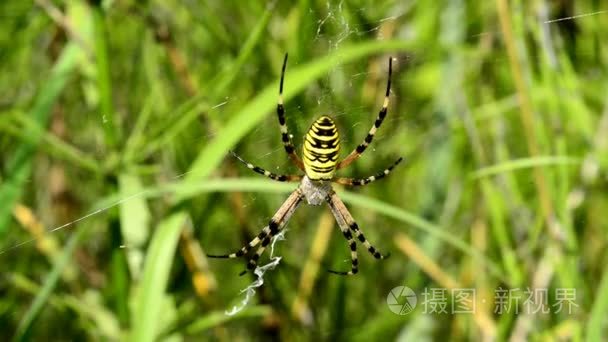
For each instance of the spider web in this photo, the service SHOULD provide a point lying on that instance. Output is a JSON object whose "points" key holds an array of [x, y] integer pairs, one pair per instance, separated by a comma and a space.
{"points": [[259, 271], [331, 32]]}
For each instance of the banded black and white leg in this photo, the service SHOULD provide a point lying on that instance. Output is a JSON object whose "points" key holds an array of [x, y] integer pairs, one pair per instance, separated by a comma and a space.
{"points": [[354, 228], [253, 261], [356, 153], [364, 181], [245, 249], [277, 222], [273, 176], [285, 137], [352, 245]]}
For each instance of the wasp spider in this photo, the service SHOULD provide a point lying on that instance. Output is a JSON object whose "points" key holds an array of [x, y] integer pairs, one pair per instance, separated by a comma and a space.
{"points": [[319, 163]]}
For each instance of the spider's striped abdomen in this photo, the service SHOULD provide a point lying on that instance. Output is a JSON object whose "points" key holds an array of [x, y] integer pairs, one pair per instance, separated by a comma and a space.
{"points": [[321, 147]]}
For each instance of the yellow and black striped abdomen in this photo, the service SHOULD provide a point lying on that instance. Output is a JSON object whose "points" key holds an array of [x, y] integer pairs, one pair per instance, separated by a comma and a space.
{"points": [[321, 147]]}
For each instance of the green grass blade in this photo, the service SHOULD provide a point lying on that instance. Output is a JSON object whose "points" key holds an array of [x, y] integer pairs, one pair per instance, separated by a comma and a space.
{"points": [[159, 258], [226, 78], [54, 145], [134, 222], [524, 163], [421, 224], [104, 82], [19, 165], [49, 285], [217, 318], [596, 323], [263, 185]]}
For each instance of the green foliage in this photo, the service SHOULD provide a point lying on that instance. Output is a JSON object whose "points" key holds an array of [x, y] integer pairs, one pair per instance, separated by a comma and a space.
{"points": [[116, 119]]}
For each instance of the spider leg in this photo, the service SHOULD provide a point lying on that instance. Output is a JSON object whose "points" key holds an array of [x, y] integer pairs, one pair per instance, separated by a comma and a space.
{"points": [[277, 222], [283, 124], [292, 206], [354, 228], [364, 181], [253, 261], [356, 153], [280, 178], [347, 234], [245, 249]]}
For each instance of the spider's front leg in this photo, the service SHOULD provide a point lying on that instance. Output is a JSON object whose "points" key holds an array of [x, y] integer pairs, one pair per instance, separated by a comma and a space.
{"points": [[356, 153], [285, 137]]}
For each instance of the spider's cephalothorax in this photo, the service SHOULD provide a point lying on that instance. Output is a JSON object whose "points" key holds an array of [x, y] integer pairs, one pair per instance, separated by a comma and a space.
{"points": [[319, 163], [315, 192], [321, 148]]}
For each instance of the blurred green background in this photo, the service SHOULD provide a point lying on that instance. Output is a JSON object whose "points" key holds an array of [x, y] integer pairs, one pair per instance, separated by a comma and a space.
{"points": [[116, 120]]}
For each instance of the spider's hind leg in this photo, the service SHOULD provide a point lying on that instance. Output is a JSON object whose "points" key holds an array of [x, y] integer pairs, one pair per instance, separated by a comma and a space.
{"points": [[354, 228], [278, 221], [245, 249], [253, 261], [354, 261], [371, 249], [347, 234]]}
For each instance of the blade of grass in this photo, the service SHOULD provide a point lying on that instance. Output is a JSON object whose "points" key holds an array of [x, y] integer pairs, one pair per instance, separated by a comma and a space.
{"points": [[87, 306], [19, 165], [104, 83], [496, 209], [134, 222], [595, 325], [225, 79], [137, 137], [159, 259], [524, 163], [263, 185], [300, 307], [191, 109], [421, 224], [54, 145], [216, 318], [184, 120], [433, 269], [528, 120], [49, 285]]}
